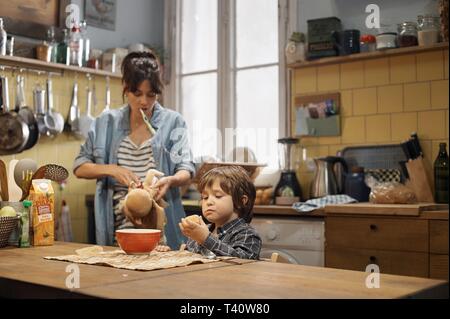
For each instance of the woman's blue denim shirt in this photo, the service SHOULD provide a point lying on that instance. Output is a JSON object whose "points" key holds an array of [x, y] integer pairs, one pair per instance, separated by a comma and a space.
{"points": [[171, 151]]}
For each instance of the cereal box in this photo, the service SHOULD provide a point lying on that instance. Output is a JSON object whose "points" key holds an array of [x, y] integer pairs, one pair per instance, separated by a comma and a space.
{"points": [[42, 212]]}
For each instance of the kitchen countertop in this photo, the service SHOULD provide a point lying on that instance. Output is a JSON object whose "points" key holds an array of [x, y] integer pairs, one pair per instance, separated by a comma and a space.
{"points": [[193, 206], [25, 273]]}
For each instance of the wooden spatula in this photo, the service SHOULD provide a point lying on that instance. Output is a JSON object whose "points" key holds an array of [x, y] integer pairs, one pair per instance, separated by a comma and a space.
{"points": [[4, 182]]}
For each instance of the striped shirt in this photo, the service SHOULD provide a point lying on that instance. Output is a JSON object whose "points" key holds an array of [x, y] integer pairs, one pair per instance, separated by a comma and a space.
{"points": [[138, 159], [236, 239]]}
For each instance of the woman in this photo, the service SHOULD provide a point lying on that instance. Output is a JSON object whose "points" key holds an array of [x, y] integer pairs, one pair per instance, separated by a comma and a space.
{"points": [[121, 148]]}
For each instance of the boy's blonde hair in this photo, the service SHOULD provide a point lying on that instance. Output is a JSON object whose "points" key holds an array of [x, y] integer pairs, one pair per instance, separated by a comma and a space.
{"points": [[235, 181]]}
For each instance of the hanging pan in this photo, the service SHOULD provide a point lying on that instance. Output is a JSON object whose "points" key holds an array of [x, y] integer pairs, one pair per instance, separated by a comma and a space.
{"points": [[14, 132], [26, 113]]}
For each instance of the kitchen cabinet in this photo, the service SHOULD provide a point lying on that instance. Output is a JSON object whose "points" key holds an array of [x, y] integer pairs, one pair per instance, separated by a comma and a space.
{"points": [[399, 244]]}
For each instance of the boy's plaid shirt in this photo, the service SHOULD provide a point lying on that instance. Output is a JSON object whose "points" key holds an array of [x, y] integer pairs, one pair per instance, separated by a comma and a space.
{"points": [[236, 239]]}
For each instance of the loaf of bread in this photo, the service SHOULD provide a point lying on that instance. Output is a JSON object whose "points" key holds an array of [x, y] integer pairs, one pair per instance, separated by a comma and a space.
{"points": [[194, 218], [392, 193]]}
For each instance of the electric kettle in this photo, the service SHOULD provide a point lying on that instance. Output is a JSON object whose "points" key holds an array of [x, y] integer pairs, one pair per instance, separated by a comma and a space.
{"points": [[325, 182]]}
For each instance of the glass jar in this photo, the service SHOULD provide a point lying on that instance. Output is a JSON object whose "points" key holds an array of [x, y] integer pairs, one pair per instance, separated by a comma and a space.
{"points": [[428, 33], [368, 43], [407, 34]]}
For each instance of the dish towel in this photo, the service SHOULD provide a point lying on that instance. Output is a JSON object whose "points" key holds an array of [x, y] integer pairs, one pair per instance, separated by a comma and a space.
{"points": [[316, 203]]}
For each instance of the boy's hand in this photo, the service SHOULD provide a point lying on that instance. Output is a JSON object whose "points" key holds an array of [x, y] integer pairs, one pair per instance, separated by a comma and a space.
{"points": [[197, 232]]}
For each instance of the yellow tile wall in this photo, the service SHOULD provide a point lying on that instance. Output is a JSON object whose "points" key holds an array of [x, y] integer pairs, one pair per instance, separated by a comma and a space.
{"points": [[63, 148], [382, 101]]}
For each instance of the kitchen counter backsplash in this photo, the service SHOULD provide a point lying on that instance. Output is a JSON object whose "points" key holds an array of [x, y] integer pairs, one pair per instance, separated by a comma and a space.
{"points": [[383, 100]]}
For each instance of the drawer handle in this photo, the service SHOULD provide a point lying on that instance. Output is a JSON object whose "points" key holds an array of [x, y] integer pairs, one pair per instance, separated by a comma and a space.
{"points": [[373, 227], [373, 259]]}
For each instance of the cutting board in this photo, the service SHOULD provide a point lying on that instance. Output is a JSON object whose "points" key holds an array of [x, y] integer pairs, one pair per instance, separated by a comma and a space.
{"points": [[15, 192], [384, 209]]}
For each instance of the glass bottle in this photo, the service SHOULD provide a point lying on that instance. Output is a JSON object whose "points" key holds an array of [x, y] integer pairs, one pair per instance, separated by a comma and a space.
{"points": [[52, 45], [407, 34], [428, 33], [441, 175], [24, 236], [63, 52], [76, 47], [3, 38], [86, 43]]}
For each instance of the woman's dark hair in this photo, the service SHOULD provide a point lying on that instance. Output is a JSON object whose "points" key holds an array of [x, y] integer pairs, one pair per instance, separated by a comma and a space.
{"points": [[235, 181], [138, 67]]}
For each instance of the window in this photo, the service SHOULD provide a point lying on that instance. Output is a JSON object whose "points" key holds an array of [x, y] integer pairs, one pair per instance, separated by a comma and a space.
{"points": [[228, 77]]}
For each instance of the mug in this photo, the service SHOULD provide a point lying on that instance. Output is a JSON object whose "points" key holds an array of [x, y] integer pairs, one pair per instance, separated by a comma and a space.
{"points": [[346, 42]]}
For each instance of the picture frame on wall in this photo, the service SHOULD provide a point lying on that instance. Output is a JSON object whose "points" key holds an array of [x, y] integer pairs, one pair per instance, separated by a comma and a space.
{"points": [[31, 19], [101, 13]]}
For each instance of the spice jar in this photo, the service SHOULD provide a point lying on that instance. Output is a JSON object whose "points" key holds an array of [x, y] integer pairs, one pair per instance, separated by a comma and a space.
{"points": [[368, 43], [428, 33], [407, 34]]}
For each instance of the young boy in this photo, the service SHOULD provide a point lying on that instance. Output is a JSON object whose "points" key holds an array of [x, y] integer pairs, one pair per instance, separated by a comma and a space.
{"points": [[227, 200]]}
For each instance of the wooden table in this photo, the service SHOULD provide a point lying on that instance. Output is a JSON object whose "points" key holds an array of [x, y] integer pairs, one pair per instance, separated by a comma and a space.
{"points": [[25, 273]]}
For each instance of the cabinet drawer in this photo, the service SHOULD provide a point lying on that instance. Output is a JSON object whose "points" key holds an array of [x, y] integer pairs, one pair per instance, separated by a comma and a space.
{"points": [[439, 266], [377, 233], [439, 236], [390, 262]]}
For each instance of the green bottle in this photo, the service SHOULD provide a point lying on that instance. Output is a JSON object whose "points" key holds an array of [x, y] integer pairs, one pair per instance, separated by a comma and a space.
{"points": [[441, 175], [24, 236]]}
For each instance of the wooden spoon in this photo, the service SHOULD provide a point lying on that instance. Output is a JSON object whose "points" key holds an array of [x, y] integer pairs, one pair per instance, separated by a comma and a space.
{"points": [[4, 182], [24, 171], [52, 172]]}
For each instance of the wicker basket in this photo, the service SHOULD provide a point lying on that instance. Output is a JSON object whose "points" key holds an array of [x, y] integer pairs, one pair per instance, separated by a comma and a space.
{"points": [[7, 225]]}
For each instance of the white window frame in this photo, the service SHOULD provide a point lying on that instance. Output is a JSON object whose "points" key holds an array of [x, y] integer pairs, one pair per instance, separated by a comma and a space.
{"points": [[226, 112]]}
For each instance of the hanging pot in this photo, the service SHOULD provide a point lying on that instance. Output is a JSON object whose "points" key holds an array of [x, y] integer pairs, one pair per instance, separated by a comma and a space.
{"points": [[26, 113], [14, 132]]}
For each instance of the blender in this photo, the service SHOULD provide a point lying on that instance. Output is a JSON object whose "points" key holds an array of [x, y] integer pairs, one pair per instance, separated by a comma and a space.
{"points": [[288, 189]]}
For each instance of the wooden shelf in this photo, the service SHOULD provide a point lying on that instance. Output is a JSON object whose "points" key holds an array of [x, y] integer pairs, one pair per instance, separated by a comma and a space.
{"points": [[367, 56], [35, 64]]}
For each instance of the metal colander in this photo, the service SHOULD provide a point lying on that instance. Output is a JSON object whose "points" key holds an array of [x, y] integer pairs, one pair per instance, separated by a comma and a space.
{"points": [[7, 225]]}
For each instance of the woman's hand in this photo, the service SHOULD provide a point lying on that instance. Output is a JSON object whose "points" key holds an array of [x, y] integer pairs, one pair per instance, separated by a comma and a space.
{"points": [[124, 176], [197, 232], [148, 221], [163, 185]]}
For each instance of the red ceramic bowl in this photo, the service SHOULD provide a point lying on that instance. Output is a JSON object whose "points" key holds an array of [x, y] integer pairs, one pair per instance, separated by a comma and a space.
{"points": [[138, 241]]}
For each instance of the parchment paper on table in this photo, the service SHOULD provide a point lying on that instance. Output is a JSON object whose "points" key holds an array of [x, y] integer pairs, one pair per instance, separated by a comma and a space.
{"points": [[95, 255]]}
